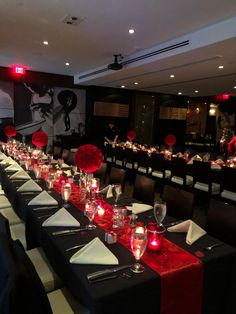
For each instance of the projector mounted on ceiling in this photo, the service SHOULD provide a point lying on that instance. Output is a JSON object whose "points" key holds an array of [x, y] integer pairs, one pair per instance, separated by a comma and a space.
{"points": [[116, 65]]}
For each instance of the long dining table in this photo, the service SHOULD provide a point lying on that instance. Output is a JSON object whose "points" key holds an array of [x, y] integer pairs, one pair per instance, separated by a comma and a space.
{"points": [[196, 281]]}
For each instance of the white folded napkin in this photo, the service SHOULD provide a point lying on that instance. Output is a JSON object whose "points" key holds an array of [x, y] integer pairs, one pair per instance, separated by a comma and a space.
{"points": [[61, 218], [108, 190], [215, 166], [13, 167], [219, 161], [95, 252], [137, 208], [29, 186], [65, 165], [2, 156], [43, 199], [21, 174], [4, 203], [68, 173], [194, 232], [7, 160]]}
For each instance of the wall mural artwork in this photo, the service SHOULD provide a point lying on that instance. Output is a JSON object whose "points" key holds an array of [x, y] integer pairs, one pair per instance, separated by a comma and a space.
{"points": [[68, 112], [56, 111], [6, 106]]}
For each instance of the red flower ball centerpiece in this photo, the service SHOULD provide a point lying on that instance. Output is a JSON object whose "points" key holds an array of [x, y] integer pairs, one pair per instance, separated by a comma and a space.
{"points": [[88, 158], [9, 130], [170, 140], [131, 134], [39, 139]]}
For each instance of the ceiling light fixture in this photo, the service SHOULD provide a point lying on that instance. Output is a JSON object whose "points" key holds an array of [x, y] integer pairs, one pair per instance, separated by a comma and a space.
{"points": [[172, 76], [131, 31], [235, 86], [67, 64], [122, 86], [220, 67], [196, 91], [45, 42], [135, 83], [179, 93]]}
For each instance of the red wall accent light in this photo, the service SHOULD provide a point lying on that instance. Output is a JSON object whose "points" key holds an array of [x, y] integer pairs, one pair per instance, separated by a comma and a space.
{"points": [[19, 70]]}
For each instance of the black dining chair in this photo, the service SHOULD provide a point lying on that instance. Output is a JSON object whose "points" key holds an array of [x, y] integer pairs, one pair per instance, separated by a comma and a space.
{"points": [[228, 186], [117, 175], [21, 290], [119, 156], [179, 202], [144, 189], [144, 162], [179, 172], [101, 172], [221, 221]]}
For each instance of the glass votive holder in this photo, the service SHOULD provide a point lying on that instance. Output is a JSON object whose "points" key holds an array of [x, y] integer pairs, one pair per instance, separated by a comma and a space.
{"points": [[155, 235], [118, 219]]}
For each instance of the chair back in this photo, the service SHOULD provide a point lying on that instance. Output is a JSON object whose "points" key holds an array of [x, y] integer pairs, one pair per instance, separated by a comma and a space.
{"points": [[158, 162], [109, 152], [178, 167], [4, 225], [144, 189], [117, 175], [143, 160], [221, 221], [21, 290], [57, 152], [65, 154], [202, 171], [119, 155], [101, 172], [228, 179], [179, 202]]}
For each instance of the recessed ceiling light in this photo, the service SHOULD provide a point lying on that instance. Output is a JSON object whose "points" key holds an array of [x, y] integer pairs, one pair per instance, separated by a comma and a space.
{"points": [[196, 91], [220, 67], [135, 83], [172, 76], [67, 63], [179, 93], [131, 31], [122, 86], [235, 86], [45, 42]]}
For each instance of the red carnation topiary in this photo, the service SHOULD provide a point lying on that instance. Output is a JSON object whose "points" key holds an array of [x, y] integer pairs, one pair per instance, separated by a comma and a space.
{"points": [[88, 158], [39, 139], [131, 134], [170, 140], [9, 130]]}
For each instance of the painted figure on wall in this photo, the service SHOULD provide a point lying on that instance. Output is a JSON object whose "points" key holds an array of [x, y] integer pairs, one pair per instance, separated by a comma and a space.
{"points": [[68, 102], [6, 112]]}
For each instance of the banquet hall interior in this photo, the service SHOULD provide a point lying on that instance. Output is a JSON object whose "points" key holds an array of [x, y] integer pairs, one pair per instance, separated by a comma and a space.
{"points": [[117, 157]]}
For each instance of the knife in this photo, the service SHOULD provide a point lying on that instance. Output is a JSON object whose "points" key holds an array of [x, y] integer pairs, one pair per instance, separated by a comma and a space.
{"points": [[172, 223], [105, 272], [69, 231], [45, 207]]}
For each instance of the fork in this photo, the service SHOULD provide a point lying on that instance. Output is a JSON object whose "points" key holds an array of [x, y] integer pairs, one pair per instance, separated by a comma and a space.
{"points": [[210, 247]]}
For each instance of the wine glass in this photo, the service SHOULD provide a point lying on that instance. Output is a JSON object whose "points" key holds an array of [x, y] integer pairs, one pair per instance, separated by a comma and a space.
{"points": [[90, 210], [116, 192], [37, 172], [159, 210], [49, 181], [138, 242], [65, 193]]}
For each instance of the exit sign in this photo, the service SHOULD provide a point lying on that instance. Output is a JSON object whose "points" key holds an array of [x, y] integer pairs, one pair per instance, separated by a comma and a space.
{"points": [[19, 70]]}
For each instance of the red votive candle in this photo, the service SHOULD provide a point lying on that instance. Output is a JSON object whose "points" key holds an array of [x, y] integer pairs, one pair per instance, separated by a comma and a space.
{"points": [[155, 235]]}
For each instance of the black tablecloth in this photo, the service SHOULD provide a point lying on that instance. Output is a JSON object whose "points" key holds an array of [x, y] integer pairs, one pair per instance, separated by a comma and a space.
{"points": [[141, 293]]}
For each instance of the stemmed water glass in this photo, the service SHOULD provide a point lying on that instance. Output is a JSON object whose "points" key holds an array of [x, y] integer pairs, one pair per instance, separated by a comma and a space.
{"points": [[159, 210], [49, 181], [37, 172], [90, 211], [65, 193], [116, 192], [138, 242]]}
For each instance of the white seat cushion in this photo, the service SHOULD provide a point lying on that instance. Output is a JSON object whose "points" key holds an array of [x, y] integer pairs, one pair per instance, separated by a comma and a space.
{"points": [[109, 159], [49, 278], [119, 162], [229, 195], [179, 180], [157, 174], [4, 203], [62, 302], [205, 187], [144, 170], [2, 192], [18, 233], [11, 216]]}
